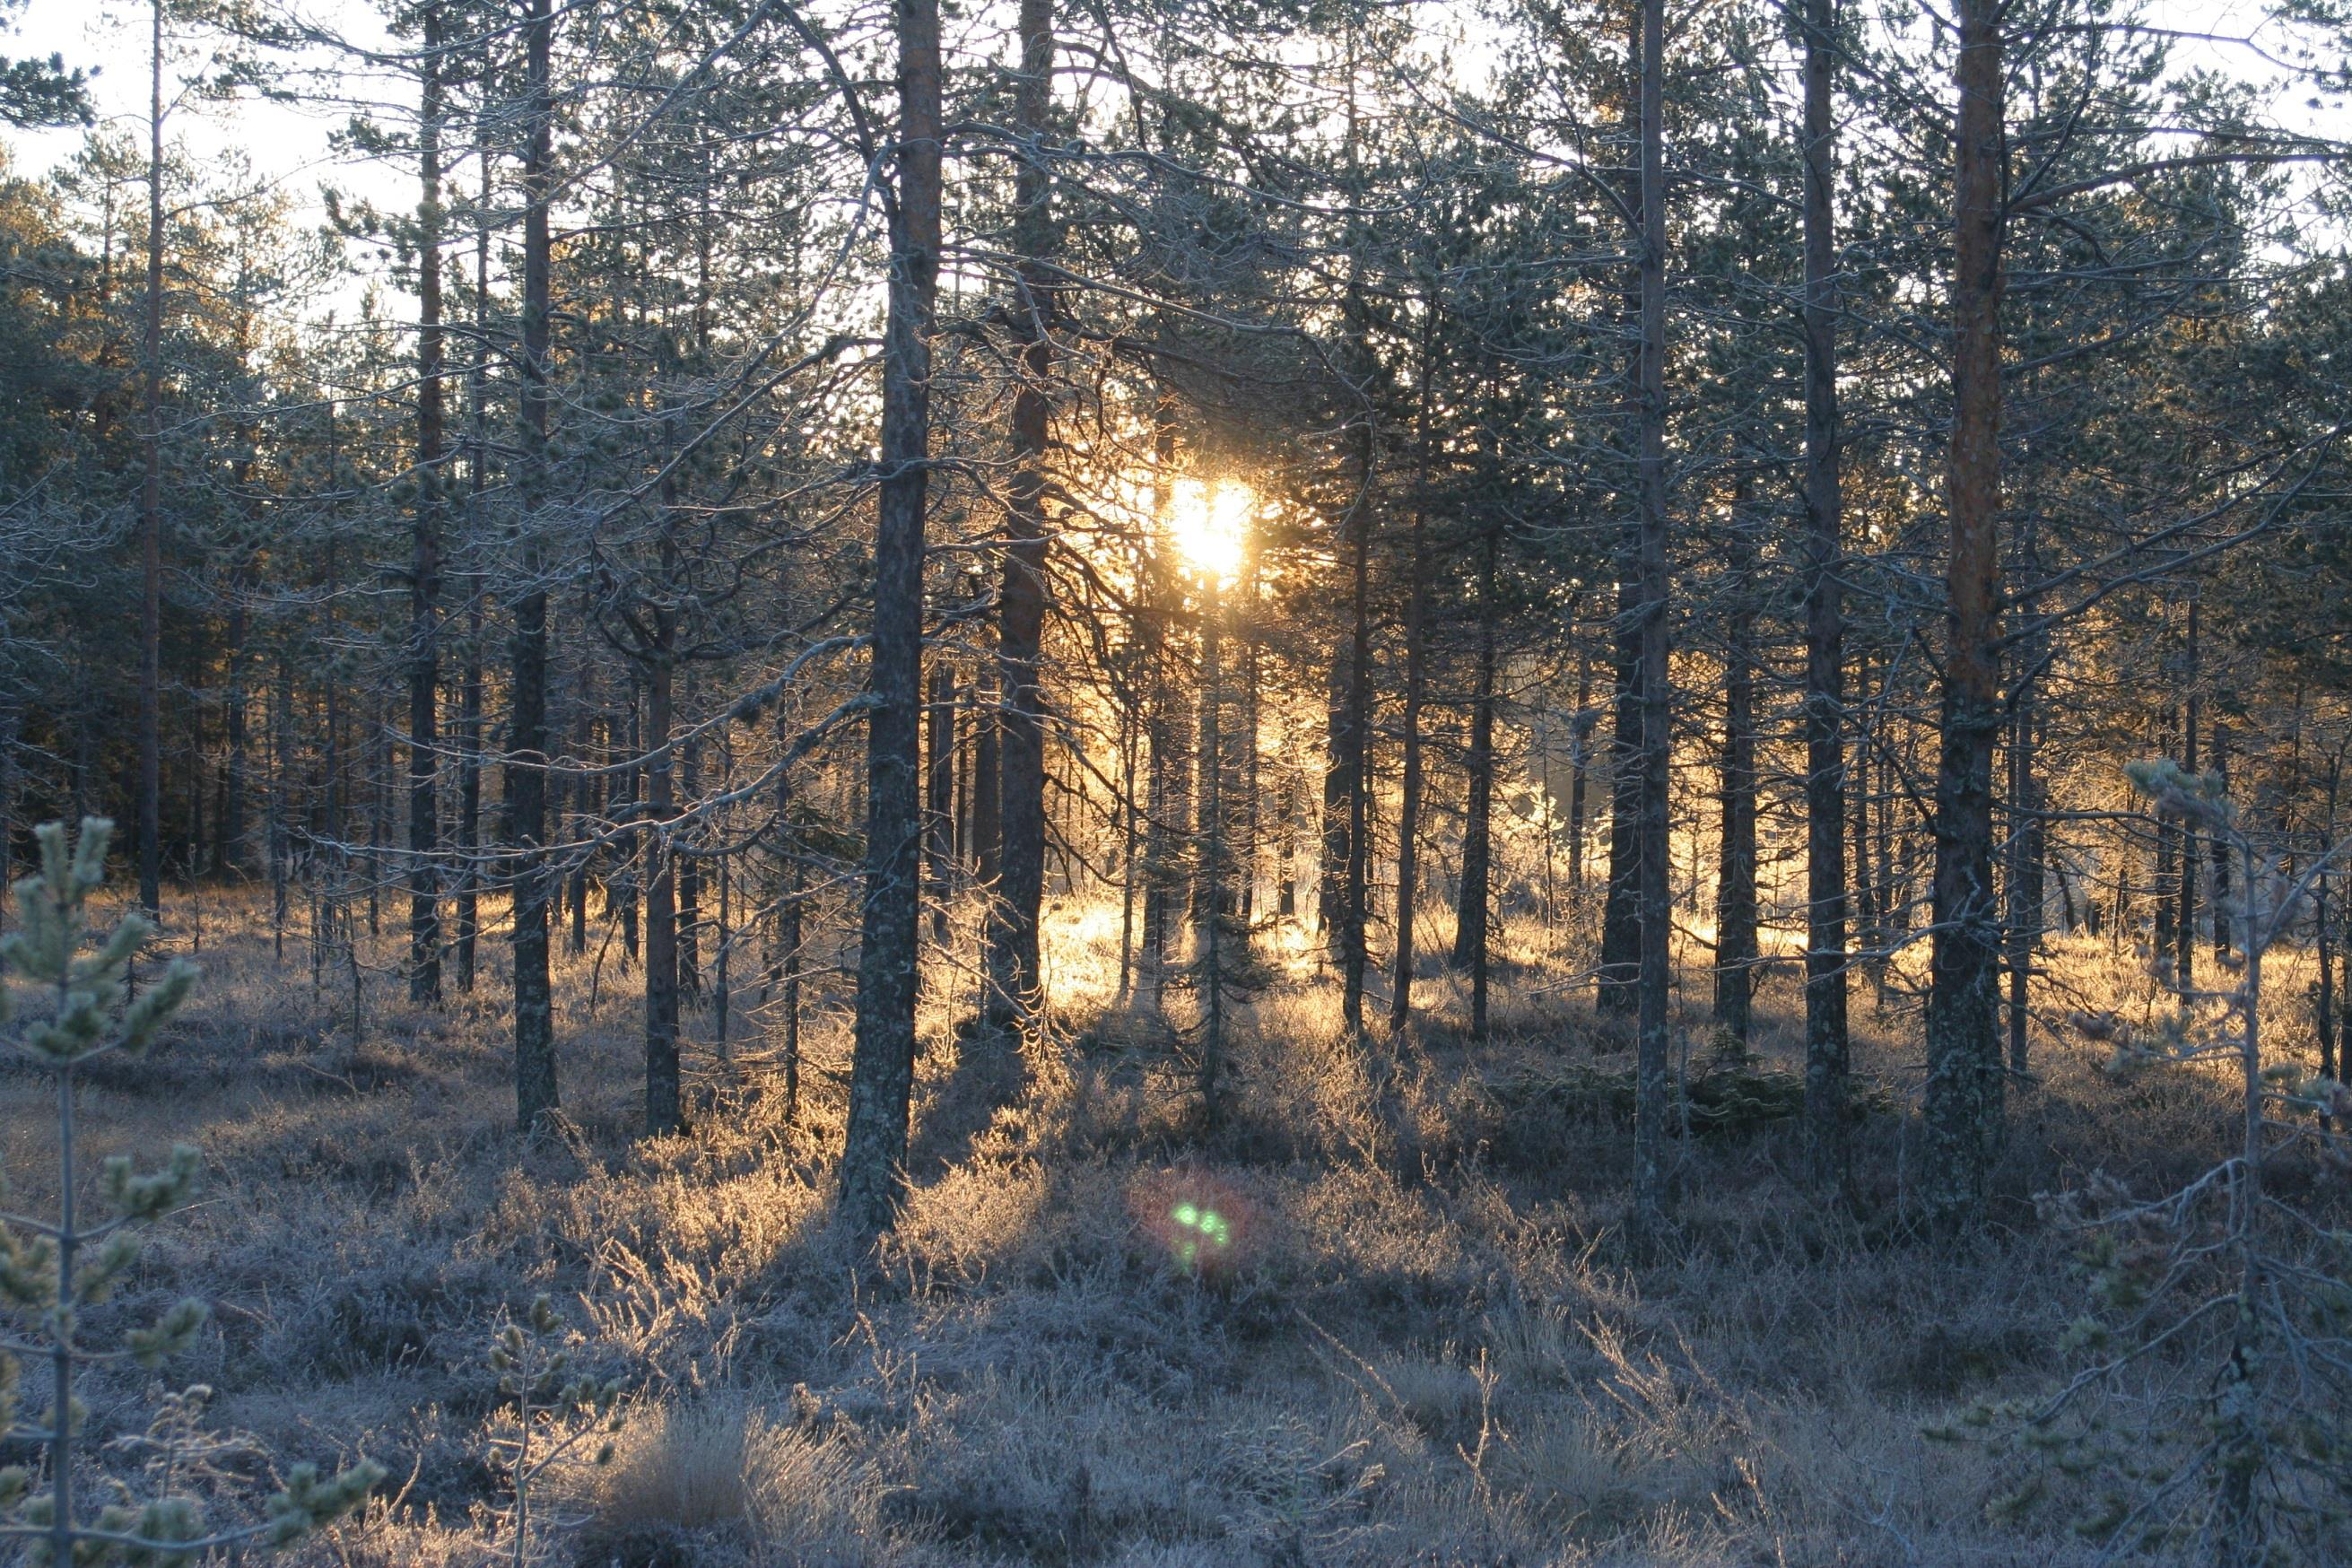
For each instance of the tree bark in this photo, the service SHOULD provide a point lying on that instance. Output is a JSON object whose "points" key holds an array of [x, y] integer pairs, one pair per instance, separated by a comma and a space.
{"points": [[2184, 925], [1215, 904], [1416, 615], [1579, 764], [470, 696], [1735, 894], [151, 500], [874, 1154], [663, 1108], [1015, 996], [1965, 1092], [1653, 903], [2219, 901], [1825, 890], [425, 558], [527, 739], [1473, 915], [2323, 1010], [939, 785]]}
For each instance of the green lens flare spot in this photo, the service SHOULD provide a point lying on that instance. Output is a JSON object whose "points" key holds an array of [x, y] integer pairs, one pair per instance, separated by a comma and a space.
{"points": [[1185, 1215], [1187, 1252]]}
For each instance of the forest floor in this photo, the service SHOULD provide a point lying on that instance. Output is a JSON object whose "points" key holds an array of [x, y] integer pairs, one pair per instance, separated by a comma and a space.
{"points": [[1423, 1340]]}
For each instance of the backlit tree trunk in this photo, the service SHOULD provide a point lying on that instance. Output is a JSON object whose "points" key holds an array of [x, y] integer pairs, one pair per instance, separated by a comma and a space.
{"points": [[1653, 902], [1825, 889], [1015, 993], [873, 1154]]}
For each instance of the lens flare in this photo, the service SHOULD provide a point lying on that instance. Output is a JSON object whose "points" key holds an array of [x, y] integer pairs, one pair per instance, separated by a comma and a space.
{"points": [[1204, 1225]]}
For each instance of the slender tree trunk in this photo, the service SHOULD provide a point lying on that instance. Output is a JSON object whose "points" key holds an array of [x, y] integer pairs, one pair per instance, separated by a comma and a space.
{"points": [[1825, 890], [786, 965], [1735, 895], [2324, 1009], [874, 1154], [1159, 836], [238, 780], [1473, 913], [281, 847], [469, 699], [1354, 749], [687, 869], [11, 731], [151, 499], [2166, 877], [1579, 764], [987, 797], [1215, 903], [2028, 836], [583, 811], [662, 1095], [2184, 925], [1416, 615], [1356, 763], [1245, 852], [2220, 902], [939, 781], [1617, 987], [1653, 902], [630, 878], [424, 557], [1015, 997], [527, 738], [1129, 740], [1870, 927], [1964, 1111], [1621, 934], [1330, 896]]}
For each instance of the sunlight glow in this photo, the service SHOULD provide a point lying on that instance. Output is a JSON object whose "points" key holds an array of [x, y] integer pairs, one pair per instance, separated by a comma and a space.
{"points": [[1211, 525]]}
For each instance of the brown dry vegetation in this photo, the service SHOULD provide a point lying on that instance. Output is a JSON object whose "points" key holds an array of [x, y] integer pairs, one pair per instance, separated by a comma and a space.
{"points": [[1431, 1347]]}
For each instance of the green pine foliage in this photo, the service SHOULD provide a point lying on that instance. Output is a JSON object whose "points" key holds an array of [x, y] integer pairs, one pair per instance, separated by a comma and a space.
{"points": [[558, 1416], [65, 1005]]}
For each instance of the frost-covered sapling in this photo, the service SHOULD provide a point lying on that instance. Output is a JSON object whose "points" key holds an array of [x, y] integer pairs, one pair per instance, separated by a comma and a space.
{"points": [[64, 1006]]}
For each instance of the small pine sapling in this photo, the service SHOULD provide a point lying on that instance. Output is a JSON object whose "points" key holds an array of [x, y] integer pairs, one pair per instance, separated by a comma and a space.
{"points": [[63, 1008], [558, 1418], [2209, 1408]]}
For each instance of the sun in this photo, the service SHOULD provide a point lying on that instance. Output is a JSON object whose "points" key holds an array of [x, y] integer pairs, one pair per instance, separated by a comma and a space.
{"points": [[1211, 525]]}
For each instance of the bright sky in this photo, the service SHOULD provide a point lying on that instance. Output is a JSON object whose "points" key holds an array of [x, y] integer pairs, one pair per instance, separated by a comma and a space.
{"points": [[290, 144]]}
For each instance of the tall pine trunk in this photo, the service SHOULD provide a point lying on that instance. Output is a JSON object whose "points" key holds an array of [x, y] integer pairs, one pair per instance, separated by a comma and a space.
{"points": [[1653, 902], [873, 1153], [1015, 988], [1416, 615], [527, 736], [424, 560], [1965, 1092], [1825, 890], [2184, 926], [151, 499], [470, 696]]}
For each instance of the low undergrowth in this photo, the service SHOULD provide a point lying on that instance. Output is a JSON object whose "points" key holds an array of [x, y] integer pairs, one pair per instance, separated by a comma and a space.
{"points": [[1419, 1340]]}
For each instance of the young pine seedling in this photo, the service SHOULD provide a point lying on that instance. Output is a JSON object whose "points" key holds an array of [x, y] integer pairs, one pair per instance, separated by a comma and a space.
{"points": [[63, 1005]]}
